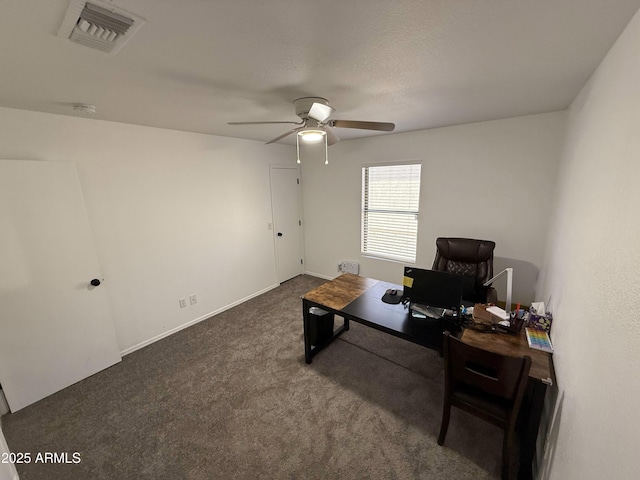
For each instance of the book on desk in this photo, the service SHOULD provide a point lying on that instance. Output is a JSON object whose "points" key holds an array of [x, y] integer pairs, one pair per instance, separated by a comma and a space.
{"points": [[539, 340]]}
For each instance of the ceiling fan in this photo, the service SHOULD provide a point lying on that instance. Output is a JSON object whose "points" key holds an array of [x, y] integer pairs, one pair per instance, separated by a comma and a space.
{"points": [[315, 123]]}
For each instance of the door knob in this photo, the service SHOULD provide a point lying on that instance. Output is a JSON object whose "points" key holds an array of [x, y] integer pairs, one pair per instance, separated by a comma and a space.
{"points": [[95, 282], [279, 234]]}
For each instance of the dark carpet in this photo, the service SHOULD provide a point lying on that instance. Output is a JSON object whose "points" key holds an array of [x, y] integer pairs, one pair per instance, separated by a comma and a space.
{"points": [[231, 398]]}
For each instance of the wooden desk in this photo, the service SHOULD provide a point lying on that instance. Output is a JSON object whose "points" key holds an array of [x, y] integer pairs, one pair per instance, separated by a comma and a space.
{"points": [[540, 377], [515, 346], [359, 299], [339, 292]]}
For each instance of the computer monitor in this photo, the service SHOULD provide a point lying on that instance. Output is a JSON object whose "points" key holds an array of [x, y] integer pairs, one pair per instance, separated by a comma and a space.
{"points": [[433, 288]]}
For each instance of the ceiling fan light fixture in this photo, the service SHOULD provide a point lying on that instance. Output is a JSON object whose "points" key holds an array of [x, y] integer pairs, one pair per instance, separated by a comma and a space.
{"points": [[311, 135]]}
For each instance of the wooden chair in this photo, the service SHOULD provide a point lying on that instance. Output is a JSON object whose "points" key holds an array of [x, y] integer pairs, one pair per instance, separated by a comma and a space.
{"points": [[485, 384]]}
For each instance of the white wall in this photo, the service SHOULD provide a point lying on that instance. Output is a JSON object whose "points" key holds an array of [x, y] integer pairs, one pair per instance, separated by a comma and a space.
{"points": [[172, 213], [490, 180], [592, 273]]}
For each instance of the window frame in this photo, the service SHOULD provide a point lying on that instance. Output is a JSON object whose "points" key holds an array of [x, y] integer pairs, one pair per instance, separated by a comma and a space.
{"points": [[363, 211]]}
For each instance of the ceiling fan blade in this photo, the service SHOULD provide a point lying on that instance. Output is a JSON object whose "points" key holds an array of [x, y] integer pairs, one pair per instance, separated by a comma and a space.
{"points": [[331, 137], [320, 112], [284, 135], [261, 123], [382, 126]]}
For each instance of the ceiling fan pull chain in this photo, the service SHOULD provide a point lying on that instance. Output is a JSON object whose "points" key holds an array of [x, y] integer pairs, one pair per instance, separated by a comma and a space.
{"points": [[326, 151]]}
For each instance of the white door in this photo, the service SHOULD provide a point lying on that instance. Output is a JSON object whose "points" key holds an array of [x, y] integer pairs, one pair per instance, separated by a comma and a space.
{"points": [[55, 327], [285, 197]]}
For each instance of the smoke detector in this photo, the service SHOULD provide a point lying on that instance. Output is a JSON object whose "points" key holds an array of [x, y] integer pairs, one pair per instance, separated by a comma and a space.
{"points": [[99, 25]]}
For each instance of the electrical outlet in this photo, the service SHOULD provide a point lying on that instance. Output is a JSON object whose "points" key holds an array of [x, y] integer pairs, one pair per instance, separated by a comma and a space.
{"points": [[349, 267], [183, 302], [193, 299]]}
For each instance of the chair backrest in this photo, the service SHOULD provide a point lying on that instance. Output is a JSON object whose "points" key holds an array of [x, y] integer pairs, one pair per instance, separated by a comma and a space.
{"points": [[469, 257], [498, 375]]}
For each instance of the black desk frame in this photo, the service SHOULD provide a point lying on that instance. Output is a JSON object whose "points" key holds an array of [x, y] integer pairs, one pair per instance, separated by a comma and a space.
{"points": [[388, 318]]}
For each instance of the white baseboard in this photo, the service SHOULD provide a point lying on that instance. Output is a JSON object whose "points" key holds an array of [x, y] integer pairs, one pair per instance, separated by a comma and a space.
{"points": [[326, 277], [193, 322]]}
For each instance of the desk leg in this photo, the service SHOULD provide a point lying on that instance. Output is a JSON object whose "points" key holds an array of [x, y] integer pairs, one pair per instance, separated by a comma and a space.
{"points": [[530, 426], [305, 324]]}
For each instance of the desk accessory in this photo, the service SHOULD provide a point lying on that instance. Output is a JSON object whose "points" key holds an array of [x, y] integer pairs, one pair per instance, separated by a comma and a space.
{"points": [[504, 314], [515, 322], [498, 312], [539, 340], [485, 314], [539, 321], [480, 313], [431, 312], [392, 296]]}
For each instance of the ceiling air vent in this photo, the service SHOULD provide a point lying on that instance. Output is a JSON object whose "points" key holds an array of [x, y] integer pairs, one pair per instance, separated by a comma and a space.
{"points": [[99, 25]]}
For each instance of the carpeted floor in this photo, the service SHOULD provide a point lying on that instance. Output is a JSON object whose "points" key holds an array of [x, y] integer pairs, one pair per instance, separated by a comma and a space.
{"points": [[231, 398]]}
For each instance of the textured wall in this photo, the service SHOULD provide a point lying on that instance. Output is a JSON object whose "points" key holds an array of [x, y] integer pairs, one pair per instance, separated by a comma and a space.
{"points": [[489, 180], [172, 213], [592, 274]]}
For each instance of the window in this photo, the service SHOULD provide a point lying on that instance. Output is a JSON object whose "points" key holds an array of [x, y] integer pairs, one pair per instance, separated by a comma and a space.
{"points": [[390, 200]]}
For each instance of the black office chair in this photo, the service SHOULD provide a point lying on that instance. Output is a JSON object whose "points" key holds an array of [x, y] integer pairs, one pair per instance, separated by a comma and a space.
{"points": [[487, 385], [471, 258]]}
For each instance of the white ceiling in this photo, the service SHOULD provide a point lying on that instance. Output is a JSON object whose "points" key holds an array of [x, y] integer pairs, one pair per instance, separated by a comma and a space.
{"points": [[197, 64]]}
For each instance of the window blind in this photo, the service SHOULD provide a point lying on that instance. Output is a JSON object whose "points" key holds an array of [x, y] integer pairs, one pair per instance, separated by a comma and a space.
{"points": [[390, 202]]}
